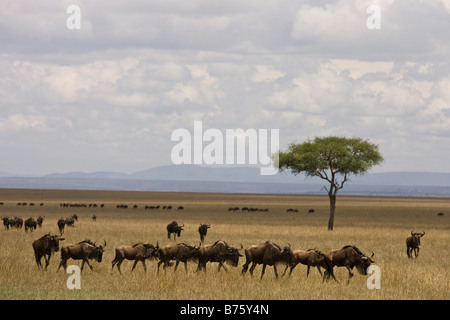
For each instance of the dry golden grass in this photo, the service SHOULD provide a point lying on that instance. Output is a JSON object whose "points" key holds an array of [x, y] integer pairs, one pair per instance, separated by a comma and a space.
{"points": [[373, 224]]}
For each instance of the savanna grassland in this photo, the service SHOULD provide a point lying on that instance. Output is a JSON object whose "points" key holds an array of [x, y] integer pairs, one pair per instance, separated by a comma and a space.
{"points": [[373, 224]]}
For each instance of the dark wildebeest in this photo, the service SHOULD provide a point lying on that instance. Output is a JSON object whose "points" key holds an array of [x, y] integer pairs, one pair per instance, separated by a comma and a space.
{"points": [[311, 258], [219, 252], [83, 250], [349, 257], [39, 221], [6, 222], [180, 252], [203, 229], [16, 222], [44, 247], [413, 244], [440, 214], [268, 253], [137, 252], [94, 218], [174, 228], [61, 224], [30, 223]]}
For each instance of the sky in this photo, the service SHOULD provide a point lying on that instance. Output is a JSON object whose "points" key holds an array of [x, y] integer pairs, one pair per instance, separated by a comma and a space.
{"points": [[108, 95]]}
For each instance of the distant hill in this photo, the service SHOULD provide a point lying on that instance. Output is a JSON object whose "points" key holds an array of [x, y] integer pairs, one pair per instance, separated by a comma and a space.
{"points": [[190, 178]]}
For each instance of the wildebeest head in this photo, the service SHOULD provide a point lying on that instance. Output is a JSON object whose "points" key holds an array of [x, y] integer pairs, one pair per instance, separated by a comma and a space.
{"points": [[365, 263], [287, 255], [55, 239], [178, 230], [417, 235], [97, 252], [233, 255]]}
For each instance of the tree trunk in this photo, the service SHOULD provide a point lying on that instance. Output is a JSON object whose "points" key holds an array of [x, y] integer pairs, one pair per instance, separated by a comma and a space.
{"points": [[332, 209]]}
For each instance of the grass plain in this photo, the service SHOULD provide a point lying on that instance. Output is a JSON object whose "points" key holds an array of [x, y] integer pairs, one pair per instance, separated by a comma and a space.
{"points": [[373, 224]]}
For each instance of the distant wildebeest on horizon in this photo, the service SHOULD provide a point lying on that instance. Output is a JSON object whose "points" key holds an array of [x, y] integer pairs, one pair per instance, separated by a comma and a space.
{"points": [[83, 250], [311, 258], [267, 254], [202, 230], [44, 247], [413, 244], [440, 214], [174, 228], [137, 252], [219, 252], [349, 257]]}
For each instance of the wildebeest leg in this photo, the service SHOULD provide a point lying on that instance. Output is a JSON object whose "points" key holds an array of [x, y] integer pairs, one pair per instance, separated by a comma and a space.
{"points": [[134, 264], [350, 274], [408, 252], [143, 264], [87, 261], [252, 268], [159, 263], [176, 265], [62, 263], [320, 271], [416, 251], [38, 260], [185, 266], [263, 270], [245, 267], [221, 265], [275, 270], [47, 261], [118, 266]]}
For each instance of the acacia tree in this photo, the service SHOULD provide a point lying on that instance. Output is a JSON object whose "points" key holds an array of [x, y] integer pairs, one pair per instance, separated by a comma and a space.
{"points": [[332, 159]]}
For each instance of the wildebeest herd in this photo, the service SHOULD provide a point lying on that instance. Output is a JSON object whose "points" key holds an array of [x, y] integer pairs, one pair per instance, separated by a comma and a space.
{"points": [[265, 254]]}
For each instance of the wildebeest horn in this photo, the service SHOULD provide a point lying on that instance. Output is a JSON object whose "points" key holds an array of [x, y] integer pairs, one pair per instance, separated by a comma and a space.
{"points": [[372, 254], [104, 242], [242, 247], [412, 233]]}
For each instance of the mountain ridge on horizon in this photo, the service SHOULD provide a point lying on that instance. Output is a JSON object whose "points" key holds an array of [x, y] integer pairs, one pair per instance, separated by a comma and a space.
{"points": [[249, 174]]}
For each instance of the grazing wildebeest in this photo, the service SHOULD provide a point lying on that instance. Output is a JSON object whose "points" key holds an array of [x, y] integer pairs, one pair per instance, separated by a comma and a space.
{"points": [[39, 221], [440, 214], [219, 252], [268, 253], [61, 224], [31, 224], [180, 252], [174, 228], [44, 247], [203, 229], [349, 257], [413, 244], [180, 208], [311, 211], [83, 250], [311, 258]]}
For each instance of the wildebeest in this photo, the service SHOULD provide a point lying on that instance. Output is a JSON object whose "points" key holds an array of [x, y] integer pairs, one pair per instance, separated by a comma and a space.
{"points": [[31, 224], [174, 228], [203, 229], [39, 221], [61, 224], [6, 222], [83, 250], [349, 257], [44, 247], [311, 258], [137, 252], [268, 253], [180, 252], [219, 252], [413, 244], [440, 214]]}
